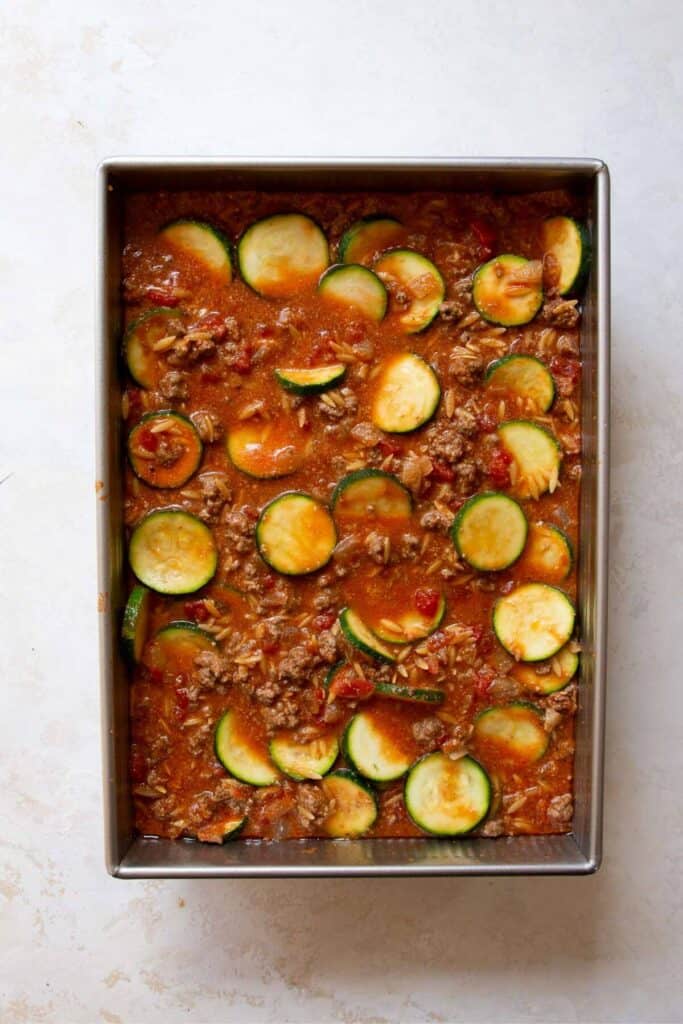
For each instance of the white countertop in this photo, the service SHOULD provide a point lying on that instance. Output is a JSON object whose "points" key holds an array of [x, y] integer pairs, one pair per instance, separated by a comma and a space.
{"points": [[380, 78]]}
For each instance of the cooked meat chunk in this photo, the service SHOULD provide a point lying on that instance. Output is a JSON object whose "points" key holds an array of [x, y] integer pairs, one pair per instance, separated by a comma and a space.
{"points": [[428, 731], [465, 422], [164, 808], [564, 701], [504, 688], [239, 528], [211, 672], [409, 546], [312, 806], [208, 425], [414, 471], [567, 345], [436, 519], [444, 441], [285, 713], [378, 547], [326, 599], [297, 664], [216, 493], [193, 347], [337, 404], [561, 808], [328, 646], [366, 434], [466, 367], [559, 313], [173, 385]]}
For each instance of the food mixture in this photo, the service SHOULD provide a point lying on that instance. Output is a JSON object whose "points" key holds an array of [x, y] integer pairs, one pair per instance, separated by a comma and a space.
{"points": [[353, 441]]}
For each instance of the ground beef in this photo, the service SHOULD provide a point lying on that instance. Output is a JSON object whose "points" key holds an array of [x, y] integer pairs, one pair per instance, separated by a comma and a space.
{"points": [[428, 731], [378, 547], [561, 808], [466, 367], [312, 806], [280, 597], [337, 404], [208, 426], [567, 345], [297, 664], [467, 476], [285, 713], [559, 312], [173, 385], [564, 701], [163, 808], [216, 493], [366, 434], [409, 546], [168, 451], [465, 422], [504, 688], [201, 739], [239, 528], [414, 471], [325, 600], [445, 442], [436, 519], [459, 303], [328, 646], [193, 348], [211, 671]]}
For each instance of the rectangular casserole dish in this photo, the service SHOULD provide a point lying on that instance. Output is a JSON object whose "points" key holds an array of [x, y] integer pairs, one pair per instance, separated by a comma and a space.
{"points": [[131, 856]]}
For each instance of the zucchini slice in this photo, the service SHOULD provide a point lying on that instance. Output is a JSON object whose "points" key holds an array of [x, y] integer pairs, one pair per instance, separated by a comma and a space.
{"points": [[138, 340], [446, 797], [280, 255], [223, 831], [368, 237], [354, 805], [514, 731], [358, 634], [490, 531], [548, 555], [534, 621], [407, 394], [311, 380], [304, 760], [182, 640], [372, 752], [524, 377], [172, 551], [205, 243], [135, 619], [569, 242], [563, 669], [239, 756], [266, 449], [404, 627], [411, 694], [420, 280], [164, 449], [355, 287], [295, 534], [508, 290], [369, 494], [536, 455]]}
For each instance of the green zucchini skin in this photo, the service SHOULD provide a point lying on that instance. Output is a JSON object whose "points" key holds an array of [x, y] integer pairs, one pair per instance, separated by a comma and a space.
{"points": [[357, 821], [173, 520], [405, 378], [280, 755], [133, 349], [405, 265], [493, 304], [329, 377], [306, 523], [134, 626], [575, 277], [416, 627], [191, 438], [435, 821], [516, 523], [232, 831], [246, 766], [400, 506], [361, 636], [224, 245], [525, 650], [511, 370], [354, 238], [360, 756], [411, 694], [271, 286], [341, 283]]}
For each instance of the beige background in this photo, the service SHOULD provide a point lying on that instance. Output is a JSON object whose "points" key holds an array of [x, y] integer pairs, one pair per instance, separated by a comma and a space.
{"points": [[80, 82]]}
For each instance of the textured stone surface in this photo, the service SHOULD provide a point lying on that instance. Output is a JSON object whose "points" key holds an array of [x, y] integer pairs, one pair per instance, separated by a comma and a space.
{"points": [[81, 81]]}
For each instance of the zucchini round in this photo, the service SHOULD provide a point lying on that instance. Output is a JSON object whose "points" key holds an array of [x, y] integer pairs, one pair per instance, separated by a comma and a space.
{"points": [[508, 290], [181, 640], [524, 377], [569, 242], [373, 753], [446, 797], [135, 619], [358, 634], [138, 340], [534, 621], [164, 449], [369, 493], [311, 380], [536, 455], [368, 237], [407, 394], [404, 627], [548, 555], [490, 531], [238, 756], [420, 280], [280, 255], [354, 805], [515, 731], [301, 761], [411, 694], [563, 669], [223, 831], [295, 534], [265, 449], [172, 551], [355, 287], [205, 243]]}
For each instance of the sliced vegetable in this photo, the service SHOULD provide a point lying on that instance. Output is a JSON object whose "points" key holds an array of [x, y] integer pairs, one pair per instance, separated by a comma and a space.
{"points": [[311, 380], [514, 731], [353, 803], [407, 394], [372, 751], [524, 377], [295, 534], [403, 627], [356, 288], [179, 642], [135, 620], [490, 531], [266, 449], [548, 555], [358, 634], [205, 243], [368, 237], [369, 494], [558, 674], [568, 242], [172, 551], [280, 255], [533, 621], [139, 340], [415, 276], [536, 455], [309, 760], [508, 290], [164, 449], [343, 681], [412, 694], [222, 831], [238, 754], [446, 797]]}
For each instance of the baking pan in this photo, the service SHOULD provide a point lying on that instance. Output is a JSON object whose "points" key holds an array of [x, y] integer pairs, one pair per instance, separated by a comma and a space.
{"points": [[131, 856]]}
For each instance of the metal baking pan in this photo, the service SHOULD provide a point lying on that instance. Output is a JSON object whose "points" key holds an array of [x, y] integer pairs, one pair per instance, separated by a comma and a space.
{"points": [[132, 856]]}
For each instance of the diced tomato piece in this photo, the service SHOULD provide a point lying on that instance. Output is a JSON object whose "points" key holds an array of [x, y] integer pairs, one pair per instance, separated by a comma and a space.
{"points": [[182, 701], [324, 621], [485, 677], [427, 601], [270, 646], [565, 366], [214, 322], [135, 406], [209, 377], [155, 675], [486, 233], [499, 468], [388, 447], [161, 296], [437, 641], [268, 581], [138, 766], [196, 610], [148, 440], [442, 472], [350, 687], [486, 422], [242, 362]]}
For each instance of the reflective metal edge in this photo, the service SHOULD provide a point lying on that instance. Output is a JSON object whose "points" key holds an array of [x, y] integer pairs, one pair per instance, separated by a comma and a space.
{"points": [[128, 856]]}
